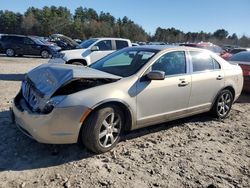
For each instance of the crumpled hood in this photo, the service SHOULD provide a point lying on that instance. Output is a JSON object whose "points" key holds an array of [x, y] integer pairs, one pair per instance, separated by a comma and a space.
{"points": [[42, 82], [48, 78]]}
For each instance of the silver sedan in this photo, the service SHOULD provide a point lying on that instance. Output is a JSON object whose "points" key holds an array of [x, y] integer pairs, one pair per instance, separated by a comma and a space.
{"points": [[128, 89]]}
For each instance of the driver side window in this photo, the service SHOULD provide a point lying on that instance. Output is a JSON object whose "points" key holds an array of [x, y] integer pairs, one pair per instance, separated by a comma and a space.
{"points": [[28, 41], [104, 45], [171, 63]]}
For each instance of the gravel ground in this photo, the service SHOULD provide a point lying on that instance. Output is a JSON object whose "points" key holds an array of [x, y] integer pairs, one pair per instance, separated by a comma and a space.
{"points": [[193, 152]]}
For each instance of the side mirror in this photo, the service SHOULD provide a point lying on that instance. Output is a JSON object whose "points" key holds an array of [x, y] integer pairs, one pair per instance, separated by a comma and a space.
{"points": [[94, 48], [156, 75]]}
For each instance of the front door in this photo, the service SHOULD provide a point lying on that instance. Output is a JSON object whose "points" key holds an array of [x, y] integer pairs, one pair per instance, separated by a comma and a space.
{"points": [[105, 48], [162, 100]]}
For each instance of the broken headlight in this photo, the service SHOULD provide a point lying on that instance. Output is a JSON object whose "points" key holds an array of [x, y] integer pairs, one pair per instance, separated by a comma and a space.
{"points": [[52, 103]]}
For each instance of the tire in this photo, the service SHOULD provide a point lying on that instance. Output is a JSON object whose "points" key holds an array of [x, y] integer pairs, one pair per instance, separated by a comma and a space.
{"points": [[223, 104], [45, 54], [10, 52], [98, 133]]}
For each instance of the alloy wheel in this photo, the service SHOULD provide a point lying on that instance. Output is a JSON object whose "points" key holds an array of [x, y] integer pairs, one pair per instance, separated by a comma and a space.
{"points": [[224, 104], [110, 130], [45, 54], [10, 52]]}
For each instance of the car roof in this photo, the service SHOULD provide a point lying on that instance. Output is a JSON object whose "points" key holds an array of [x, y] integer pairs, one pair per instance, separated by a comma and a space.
{"points": [[168, 47], [110, 38], [13, 35]]}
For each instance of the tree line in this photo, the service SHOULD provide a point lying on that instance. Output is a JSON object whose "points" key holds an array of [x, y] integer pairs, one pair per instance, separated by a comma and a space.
{"points": [[219, 37], [86, 23]]}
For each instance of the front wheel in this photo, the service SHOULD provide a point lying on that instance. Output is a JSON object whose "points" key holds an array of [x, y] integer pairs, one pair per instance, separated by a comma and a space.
{"points": [[102, 130], [45, 54], [223, 104]]}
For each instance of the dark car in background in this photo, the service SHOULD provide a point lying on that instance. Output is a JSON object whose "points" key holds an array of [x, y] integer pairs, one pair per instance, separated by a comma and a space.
{"points": [[243, 59], [66, 43], [227, 55], [13, 45], [45, 40], [195, 45]]}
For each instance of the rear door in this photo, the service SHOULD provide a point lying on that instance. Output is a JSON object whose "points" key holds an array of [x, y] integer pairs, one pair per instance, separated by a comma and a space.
{"points": [[16, 43], [31, 48], [207, 79]]}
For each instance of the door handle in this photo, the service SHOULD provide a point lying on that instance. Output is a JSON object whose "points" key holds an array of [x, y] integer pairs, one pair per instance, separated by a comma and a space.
{"points": [[183, 83], [219, 77]]}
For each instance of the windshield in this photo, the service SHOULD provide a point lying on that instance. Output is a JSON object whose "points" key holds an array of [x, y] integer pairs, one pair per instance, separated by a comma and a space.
{"points": [[125, 62], [87, 43], [43, 40], [37, 40]]}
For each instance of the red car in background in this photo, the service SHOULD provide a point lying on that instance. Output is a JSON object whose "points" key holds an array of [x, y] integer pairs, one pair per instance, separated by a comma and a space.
{"points": [[243, 59], [212, 47], [205, 45]]}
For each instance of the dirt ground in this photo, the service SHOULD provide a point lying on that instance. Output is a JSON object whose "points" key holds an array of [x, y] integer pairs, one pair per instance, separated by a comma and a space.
{"points": [[193, 152]]}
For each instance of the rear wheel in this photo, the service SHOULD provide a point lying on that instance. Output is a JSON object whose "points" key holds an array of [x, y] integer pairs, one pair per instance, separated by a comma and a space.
{"points": [[45, 54], [223, 104], [102, 130], [10, 52]]}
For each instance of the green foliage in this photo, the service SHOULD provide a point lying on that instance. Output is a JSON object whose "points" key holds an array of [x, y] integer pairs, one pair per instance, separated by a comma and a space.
{"points": [[10, 22], [219, 37], [86, 23], [220, 34]]}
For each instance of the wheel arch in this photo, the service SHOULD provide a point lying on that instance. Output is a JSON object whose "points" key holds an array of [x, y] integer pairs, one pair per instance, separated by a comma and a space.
{"points": [[44, 49], [129, 118], [230, 88], [83, 61], [126, 109]]}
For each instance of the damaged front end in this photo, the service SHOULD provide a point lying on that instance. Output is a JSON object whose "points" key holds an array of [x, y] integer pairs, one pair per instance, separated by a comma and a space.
{"points": [[47, 85]]}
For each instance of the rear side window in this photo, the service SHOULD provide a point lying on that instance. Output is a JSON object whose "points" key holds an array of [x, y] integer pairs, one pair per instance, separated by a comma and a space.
{"points": [[5, 38], [121, 44], [216, 64], [202, 62], [17, 39]]}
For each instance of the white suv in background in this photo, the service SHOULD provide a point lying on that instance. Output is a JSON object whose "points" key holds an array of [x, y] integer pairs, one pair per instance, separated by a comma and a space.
{"points": [[91, 50]]}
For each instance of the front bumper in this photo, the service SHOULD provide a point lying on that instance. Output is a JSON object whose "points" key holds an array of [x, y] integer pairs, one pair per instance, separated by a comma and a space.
{"points": [[57, 60], [61, 126]]}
